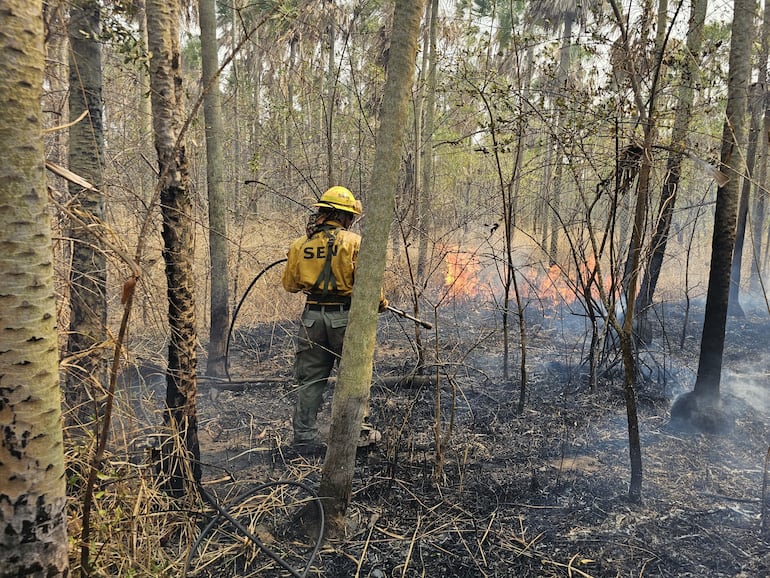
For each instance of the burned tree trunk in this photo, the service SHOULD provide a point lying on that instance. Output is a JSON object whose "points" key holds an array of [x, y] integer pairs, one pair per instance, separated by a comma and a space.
{"points": [[181, 451], [691, 407], [674, 163], [756, 96]]}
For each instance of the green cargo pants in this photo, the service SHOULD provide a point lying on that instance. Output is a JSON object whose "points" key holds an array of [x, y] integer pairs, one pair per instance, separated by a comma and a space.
{"points": [[319, 345]]}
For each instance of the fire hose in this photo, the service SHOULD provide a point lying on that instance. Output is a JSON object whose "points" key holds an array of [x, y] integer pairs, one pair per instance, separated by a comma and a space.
{"points": [[238, 308], [224, 517], [399, 312]]}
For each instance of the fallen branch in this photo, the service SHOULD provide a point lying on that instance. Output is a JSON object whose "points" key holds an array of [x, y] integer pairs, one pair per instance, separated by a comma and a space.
{"points": [[243, 384]]}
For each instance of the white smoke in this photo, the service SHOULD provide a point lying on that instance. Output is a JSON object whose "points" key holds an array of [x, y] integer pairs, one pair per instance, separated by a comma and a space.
{"points": [[750, 384]]}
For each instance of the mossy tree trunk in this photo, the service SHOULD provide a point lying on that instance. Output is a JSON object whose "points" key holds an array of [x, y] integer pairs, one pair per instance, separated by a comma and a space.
{"points": [[355, 372], [33, 524]]}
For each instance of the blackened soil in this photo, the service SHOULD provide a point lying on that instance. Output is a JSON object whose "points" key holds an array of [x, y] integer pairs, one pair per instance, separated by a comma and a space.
{"points": [[541, 492]]}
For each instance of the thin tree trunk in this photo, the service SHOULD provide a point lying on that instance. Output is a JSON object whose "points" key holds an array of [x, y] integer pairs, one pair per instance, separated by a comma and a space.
{"points": [[290, 107], [331, 97], [218, 248], [145, 107], [424, 221], [88, 277], [646, 113], [674, 164], [556, 196], [758, 214], [182, 454], [33, 517], [755, 107], [355, 372], [241, 208]]}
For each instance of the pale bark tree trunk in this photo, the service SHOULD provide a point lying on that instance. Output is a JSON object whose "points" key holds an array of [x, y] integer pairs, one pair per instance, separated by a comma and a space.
{"points": [[425, 189], [183, 451], [556, 193], [147, 177], [290, 104], [707, 384], [33, 523], [88, 277], [240, 207], [218, 248], [355, 371], [55, 98], [425, 164]]}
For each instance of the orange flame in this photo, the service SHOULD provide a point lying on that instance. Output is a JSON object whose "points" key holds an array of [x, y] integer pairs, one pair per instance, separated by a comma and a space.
{"points": [[558, 285], [462, 275]]}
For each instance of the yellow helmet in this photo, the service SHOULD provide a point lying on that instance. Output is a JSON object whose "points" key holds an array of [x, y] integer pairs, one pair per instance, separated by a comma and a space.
{"points": [[341, 199]]}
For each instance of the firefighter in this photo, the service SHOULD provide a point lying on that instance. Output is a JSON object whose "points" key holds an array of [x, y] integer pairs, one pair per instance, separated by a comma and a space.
{"points": [[322, 264]]}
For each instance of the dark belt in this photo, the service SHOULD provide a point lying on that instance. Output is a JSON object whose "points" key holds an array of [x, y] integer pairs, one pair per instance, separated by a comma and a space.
{"points": [[327, 306]]}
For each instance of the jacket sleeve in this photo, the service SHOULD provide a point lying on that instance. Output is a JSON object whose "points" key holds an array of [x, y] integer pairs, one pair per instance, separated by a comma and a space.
{"points": [[290, 278]]}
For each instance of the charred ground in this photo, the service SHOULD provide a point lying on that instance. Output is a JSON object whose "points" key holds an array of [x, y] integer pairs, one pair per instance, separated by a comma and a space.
{"points": [[541, 493]]}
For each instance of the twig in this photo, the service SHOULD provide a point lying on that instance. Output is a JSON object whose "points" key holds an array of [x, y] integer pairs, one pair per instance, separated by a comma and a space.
{"points": [[360, 561], [411, 546], [570, 568], [66, 126], [127, 300]]}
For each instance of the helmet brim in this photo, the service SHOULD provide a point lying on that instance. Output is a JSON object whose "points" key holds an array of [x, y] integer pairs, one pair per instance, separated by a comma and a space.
{"points": [[323, 206], [350, 210]]}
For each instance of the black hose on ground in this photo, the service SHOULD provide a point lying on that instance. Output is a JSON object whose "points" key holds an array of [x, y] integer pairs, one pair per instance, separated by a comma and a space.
{"points": [[223, 513], [238, 308]]}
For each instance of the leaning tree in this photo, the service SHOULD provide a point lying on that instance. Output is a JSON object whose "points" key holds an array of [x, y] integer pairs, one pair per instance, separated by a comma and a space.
{"points": [[355, 372]]}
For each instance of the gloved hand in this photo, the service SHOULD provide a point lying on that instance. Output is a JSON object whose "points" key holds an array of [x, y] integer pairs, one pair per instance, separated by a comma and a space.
{"points": [[383, 305]]}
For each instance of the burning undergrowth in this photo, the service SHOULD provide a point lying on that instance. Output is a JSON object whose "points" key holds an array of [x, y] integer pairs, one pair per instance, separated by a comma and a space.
{"points": [[536, 493]]}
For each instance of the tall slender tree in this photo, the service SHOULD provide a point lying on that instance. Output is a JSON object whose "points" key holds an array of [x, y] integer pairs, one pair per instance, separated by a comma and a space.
{"points": [[561, 87], [33, 523], [218, 248], [759, 207], [691, 406], [557, 14], [182, 451], [355, 372], [755, 105], [88, 274], [331, 91], [679, 133], [424, 161], [646, 111]]}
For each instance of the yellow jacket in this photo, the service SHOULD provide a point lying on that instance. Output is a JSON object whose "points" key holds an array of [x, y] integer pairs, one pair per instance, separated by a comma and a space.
{"points": [[307, 258]]}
